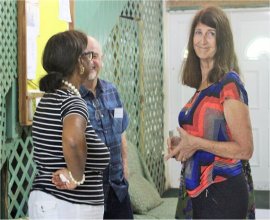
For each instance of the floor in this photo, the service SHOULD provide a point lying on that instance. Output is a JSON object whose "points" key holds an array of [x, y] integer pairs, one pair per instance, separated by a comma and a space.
{"points": [[262, 204], [262, 213]]}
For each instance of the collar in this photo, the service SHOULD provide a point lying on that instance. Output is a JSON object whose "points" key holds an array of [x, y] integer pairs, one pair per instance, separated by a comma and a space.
{"points": [[101, 87]]}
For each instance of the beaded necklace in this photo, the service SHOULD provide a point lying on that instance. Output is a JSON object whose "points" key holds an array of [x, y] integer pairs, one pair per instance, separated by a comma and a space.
{"points": [[71, 87]]}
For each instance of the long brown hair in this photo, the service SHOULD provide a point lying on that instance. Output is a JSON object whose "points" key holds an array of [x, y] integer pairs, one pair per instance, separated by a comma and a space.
{"points": [[225, 58]]}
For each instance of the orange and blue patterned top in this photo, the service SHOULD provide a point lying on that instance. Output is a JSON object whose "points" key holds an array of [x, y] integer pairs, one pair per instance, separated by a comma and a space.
{"points": [[203, 116]]}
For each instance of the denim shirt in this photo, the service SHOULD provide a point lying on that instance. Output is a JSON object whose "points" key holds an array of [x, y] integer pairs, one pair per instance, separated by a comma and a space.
{"points": [[109, 120]]}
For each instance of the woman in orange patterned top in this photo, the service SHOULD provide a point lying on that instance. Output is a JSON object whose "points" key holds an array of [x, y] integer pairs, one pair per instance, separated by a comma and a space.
{"points": [[215, 126]]}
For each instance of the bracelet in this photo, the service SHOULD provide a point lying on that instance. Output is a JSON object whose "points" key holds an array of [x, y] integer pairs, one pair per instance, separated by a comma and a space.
{"points": [[75, 181]]}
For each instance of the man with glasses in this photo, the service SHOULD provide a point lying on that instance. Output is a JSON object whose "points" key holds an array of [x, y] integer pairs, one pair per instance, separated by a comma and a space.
{"points": [[110, 120]]}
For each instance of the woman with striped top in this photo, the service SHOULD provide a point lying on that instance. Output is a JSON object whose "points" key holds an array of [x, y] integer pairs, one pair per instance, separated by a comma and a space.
{"points": [[66, 147]]}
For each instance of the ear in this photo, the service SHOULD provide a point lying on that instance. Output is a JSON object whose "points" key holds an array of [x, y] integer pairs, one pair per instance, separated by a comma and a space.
{"points": [[80, 61], [79, 64]]}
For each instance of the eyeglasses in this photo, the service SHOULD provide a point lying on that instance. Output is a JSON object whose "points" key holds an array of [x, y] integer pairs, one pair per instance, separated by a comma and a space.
{"points": [[98, 113], [89, 54]]}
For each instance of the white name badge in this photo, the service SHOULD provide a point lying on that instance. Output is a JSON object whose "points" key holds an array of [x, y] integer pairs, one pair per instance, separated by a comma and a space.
{"points": [[118, 113]]}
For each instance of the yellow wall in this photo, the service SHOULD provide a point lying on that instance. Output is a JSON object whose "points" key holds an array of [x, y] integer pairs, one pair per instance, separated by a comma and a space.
{"points": [[49, 25]]}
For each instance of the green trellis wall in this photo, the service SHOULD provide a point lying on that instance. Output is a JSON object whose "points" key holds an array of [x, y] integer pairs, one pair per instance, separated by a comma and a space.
{"points": [[14, 140], [133, 61], [8, 66], [16, 163]]}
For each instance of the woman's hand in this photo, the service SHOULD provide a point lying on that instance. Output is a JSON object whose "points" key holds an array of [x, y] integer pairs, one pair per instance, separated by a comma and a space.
{"points": [[180, 148], [172, 143], [61, 180], [186, 148]]}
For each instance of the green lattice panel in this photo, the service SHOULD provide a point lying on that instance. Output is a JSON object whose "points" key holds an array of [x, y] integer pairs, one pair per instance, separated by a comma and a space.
{"points": [[150, 15], [14, 149], [3, 153], [8, 63], [121, 66], [134, 62], [22, 170], [8, 46], [153, 88]]}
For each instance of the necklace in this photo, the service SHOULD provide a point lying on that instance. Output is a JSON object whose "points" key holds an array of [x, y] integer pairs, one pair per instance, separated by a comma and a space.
{"points": [[71, 87]]}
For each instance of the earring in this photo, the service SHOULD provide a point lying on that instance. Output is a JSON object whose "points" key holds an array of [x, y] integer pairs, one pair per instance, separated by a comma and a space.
{"points": [[81, 69]]}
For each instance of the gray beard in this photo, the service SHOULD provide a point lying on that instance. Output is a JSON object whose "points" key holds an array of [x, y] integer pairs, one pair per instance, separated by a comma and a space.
{"points": [[92, 76]]}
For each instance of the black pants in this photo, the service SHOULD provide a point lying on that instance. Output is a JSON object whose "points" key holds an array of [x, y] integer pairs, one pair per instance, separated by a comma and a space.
{"points": [[115, 209], [225, 200]]}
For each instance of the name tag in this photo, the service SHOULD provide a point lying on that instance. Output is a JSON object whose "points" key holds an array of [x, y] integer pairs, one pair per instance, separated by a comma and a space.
{"points": [[118, 113]]}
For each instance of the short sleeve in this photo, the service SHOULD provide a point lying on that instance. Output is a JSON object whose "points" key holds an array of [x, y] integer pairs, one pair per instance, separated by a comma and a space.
{"points": [[233, 88], [74, 105]]}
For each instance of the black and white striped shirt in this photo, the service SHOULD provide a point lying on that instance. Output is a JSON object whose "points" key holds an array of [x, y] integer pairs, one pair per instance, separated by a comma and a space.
{"points": [[48, 152]]}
